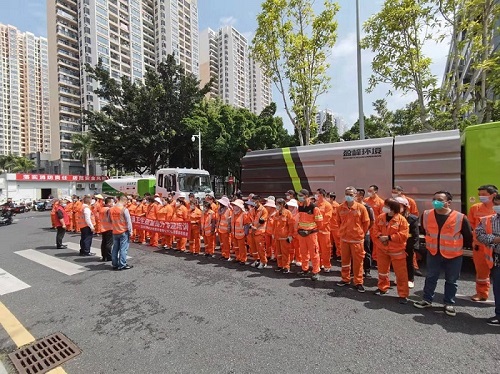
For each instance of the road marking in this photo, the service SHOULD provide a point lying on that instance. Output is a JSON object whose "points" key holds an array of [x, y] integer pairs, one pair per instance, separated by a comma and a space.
{"points": [[9, 283], [76, 247], [3, 370], [18, 333], [54, 263]]}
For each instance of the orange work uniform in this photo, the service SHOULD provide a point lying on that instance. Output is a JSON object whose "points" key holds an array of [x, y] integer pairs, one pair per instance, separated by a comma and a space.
{"points": [[353, 225], [96, 209], [324, 241], [238, 223], [284, 227], [476, 213], [256, 238], [392, 252], [69, 211], [310, 220], [181, 214], [208, 223], [152, 213], [132, 207], [141, 211], [224, 231], [295, 249], [334, 228], [269, 243], [194, 233], [77, 207]]}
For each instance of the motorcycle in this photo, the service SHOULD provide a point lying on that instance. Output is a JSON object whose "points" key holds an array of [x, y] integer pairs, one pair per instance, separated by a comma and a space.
{"points": [[6, 217]]}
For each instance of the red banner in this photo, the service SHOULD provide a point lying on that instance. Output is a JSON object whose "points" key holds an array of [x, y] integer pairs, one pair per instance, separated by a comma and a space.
{"points": [[179, 229], [60, 178]]}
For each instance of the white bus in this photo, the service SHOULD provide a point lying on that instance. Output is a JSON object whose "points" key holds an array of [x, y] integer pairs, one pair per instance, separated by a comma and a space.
{"points": [[183, 180]]}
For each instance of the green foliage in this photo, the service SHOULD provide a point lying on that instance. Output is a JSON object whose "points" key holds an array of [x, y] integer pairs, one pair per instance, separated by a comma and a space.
{"points": [[229, 132], [292, 45], [141, 128], [329, 132], [15, 164], [397, 35], [82, 148]]}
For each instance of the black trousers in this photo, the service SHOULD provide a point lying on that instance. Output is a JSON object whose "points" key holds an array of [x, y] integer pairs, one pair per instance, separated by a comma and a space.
{"points": [[107, 244], [60, 236], [85, 239], [368, 247], [409, 262]]}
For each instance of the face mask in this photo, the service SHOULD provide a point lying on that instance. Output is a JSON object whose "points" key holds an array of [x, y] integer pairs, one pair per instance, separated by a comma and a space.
{"points": [[496, 208], [349, 199], [93, 201], [301, 199], [288, 197], [178, 204], [438, 204], [484, 199], [236, 210], [316, 197], [369, 194], [63, 204], [394, 195], [386, 210]]}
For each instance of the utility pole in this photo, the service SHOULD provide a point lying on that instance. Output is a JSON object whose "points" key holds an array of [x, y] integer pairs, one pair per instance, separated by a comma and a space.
{"points": [[361, 120]]}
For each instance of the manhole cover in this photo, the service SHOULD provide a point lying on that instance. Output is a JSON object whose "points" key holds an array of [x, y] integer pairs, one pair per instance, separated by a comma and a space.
{"points": [[44, 354]]}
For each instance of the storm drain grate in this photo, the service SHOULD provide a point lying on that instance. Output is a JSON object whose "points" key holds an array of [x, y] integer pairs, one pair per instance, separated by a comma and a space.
{"points": [[44, 354]]}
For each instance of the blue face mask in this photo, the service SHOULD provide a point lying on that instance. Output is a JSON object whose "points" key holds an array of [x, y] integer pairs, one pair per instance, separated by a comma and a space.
{"points": [[349, 199], [438, 204], [301, 198]]}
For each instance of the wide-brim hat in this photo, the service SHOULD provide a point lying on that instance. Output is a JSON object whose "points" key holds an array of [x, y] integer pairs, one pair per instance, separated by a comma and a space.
{"points": [[292, 203], [224, 201], [402, 201], [99, 196], [270, 204], [239, 203]]}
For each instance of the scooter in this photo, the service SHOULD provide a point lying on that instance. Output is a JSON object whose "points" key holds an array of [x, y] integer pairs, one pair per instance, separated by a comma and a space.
{"points": [[6, 217]]}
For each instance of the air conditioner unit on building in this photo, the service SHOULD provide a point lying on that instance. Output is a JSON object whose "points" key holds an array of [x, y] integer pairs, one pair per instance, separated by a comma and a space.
{"points": [[92, 186], [79, 186]]}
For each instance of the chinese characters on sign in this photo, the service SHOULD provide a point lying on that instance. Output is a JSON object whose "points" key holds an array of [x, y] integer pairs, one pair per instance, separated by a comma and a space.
{"points": [[60, 177], [179, 229], [363, 152]]}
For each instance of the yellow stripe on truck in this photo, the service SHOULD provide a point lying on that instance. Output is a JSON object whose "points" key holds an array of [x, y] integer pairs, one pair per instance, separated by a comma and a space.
{"points": [[292, 171]]}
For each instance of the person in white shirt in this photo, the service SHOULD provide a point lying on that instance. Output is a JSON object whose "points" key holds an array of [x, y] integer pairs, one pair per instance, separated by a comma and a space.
{"points": [[87, 227]]}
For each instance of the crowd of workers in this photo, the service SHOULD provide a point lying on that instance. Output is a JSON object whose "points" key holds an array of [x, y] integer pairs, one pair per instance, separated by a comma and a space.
{"points": [[304, 228]]}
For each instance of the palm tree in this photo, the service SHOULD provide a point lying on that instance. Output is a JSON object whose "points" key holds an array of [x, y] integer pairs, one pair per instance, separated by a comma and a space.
{"points": [[23, 164], [82, 148], [7, 162]]}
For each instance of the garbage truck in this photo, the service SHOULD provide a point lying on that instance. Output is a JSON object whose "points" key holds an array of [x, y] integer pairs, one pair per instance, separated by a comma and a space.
{"points": [[167, 180], [421, 164]]}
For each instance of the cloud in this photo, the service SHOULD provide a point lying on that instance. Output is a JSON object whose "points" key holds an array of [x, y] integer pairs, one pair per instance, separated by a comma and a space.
{"points": [[346, 47], [228, 21]]}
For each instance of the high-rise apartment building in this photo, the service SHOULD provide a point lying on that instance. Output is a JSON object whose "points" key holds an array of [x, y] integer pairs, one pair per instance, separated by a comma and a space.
{"points": [[24, 93], [239, 81], [127, 36]]}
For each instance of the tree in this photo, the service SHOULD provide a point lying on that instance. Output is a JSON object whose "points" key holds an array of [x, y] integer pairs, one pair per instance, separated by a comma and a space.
{"points": [[229, 132], [397, 35], [141, 128], [82, 148], [329, 132], [13, 164], [292, 45], [378, 125]]}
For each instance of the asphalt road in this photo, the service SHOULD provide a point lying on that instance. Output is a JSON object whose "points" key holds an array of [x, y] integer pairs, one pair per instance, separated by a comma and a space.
{"points": [[175, 313]]}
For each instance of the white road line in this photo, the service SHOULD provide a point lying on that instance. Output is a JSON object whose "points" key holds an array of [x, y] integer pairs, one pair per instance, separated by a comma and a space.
{"points": [[2, 369], [54, 263], [9, 284], [76, 247]]}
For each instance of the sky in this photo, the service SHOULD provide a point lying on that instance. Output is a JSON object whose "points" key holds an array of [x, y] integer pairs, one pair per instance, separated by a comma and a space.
{"points": [[30, 15]]}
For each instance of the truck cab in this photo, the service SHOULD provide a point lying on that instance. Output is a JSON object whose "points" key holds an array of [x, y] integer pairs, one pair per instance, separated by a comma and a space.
{"points": [[177, 180]]}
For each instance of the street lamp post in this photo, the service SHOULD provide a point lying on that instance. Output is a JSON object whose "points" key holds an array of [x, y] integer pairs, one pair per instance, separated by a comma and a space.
{"points": [[361, 120], [199, 146]]}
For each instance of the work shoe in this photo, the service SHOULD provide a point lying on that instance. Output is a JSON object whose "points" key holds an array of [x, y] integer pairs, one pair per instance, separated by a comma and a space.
{"points": [[299, 264], [242, 263], [278, 269], [450, 310], [418, 272], [262, 266], [286, 271], [422, 304], [476, 297], [303, 273], [342, 283], [359, 288], [411, 284], [126, 267], [379, 292], [493, 321], [327, 270], [367, 274], [315, 277], [255, 264], [403, 300]]}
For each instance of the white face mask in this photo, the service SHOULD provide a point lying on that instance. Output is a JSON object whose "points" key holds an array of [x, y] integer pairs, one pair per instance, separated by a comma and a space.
{"points": [[369, 194], [496, 208], [386, 210], [177, 203], [316, 197], [394, 195]]}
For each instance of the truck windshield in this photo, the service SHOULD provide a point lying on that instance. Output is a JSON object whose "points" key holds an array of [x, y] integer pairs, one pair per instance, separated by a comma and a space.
{"points": [[194, 183]]}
